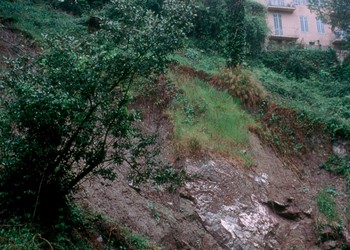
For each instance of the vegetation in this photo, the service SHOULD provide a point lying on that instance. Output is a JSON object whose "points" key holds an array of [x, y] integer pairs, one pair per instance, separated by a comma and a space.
{"points": [[234, 28], [208, 120], [327, 205], [321, 100], [338, 165], [301, 63], [77, 232], [36, 20], [256, 28], [65, 114], [336, 13], [200, 60], [330, 224]]}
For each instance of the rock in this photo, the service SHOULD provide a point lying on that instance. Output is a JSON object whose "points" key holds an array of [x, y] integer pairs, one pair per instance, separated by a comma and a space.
{"points": [[290, 214], [290, 199], [187, 196], [346, 236], [99, 239], [308, 212], [277, 205], [284, 210], [327, 233], [261, 179], [331, 244], [340, 148]]}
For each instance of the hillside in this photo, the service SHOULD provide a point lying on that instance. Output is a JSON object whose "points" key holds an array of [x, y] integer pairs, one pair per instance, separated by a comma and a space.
{"points": [[248, 157]]}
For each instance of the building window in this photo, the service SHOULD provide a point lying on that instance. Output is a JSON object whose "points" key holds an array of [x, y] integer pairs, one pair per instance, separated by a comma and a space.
{"points": [[320, 26], [277, 19], [301, 2], [276, 2], [303, 24]]}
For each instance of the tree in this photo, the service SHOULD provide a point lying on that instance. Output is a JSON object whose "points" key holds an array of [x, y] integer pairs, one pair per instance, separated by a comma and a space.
{"points": [[233, 28], [256, 27], [209, 21], [65, 114], [235, 32], [334, 12]]}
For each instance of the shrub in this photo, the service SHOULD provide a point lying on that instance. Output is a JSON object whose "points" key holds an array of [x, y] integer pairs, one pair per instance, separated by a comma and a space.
{"points": [[65, 114], [301, 63], [344, 71], [242, 84]]}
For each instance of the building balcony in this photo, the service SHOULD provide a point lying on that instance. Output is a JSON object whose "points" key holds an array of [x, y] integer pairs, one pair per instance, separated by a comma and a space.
{"points": [[280, 6], [338, 41], [340, 38], [284, 37]]}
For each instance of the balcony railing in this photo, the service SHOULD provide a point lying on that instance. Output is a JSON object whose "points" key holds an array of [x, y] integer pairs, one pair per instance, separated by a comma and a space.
{"points": [[279, 5], [287, 34]]}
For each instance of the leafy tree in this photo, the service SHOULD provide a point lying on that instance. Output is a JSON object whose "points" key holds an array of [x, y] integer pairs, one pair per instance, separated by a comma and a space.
{"points": [[334, 12], [256, 27], [65, 114], [233, 28], [235, 32], [209, 24]]}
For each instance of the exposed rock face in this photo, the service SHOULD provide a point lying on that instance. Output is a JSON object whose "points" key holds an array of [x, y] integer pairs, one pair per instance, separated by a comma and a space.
{"points": [[225, 206], [233, 215]]}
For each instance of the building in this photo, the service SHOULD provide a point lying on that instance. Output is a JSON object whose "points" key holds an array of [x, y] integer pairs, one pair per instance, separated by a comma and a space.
{"points": [[292, 21]]}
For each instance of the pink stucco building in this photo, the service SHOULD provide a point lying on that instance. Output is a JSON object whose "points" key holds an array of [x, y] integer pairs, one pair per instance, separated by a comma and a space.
{"points": [[291, 20]]}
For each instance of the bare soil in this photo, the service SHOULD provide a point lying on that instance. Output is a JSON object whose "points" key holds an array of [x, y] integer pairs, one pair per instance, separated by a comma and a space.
{"points": [[271, 205]]}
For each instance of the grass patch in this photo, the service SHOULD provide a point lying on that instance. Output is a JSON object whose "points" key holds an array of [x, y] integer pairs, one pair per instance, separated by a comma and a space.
{"points": [[338, 165], [21, 237], [326, 204], [35, 20], [30, 237], [209, 120], [136, 241], [81, 234], [199, 60]]}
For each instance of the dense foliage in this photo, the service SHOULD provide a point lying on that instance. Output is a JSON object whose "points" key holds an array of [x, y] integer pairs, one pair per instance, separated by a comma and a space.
{"points": [[35, 20], [322, 101], [301, 63], [233, 28], [344, 70], [256, 28], [65, 115]]}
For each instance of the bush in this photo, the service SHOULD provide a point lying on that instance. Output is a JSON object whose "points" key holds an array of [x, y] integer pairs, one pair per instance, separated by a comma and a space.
{"points": [[242, 84], [232, 28], [64, 114], [344, 71], [301, 63]]}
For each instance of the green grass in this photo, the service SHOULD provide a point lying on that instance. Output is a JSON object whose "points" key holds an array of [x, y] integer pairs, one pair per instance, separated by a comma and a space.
{"points": [[138, 241], [28, 237], [326, 101], [209, 120], [326, 204], [199, 60], [35, 20], [21, 237], [338, 165]]}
